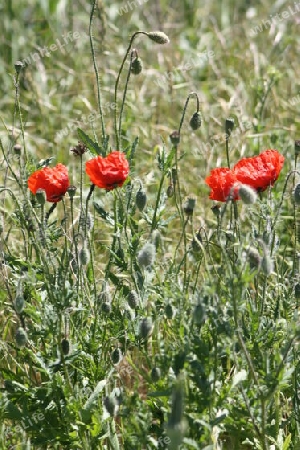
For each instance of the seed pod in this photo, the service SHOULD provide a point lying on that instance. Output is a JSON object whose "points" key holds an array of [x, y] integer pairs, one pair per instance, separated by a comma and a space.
{"points": [[195, 121], [155, 374], [141, 199], [116, 356], [21, 337], [65, 346], [146, 328]]}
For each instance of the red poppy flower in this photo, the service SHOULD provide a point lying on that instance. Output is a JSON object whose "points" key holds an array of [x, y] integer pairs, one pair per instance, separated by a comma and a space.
{"points": [[54, 181], [260, 171], [108, 172], [222, 181]]}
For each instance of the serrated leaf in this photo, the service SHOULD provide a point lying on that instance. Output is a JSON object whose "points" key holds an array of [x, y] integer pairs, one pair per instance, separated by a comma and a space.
{"points": [[12, 412], [105, 215], [91, 145], [287, 442]]}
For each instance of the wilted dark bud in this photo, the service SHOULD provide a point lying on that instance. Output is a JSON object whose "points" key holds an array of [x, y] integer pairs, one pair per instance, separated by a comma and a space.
{"points": [[133, 299], [229, 126], [141, 199], [136, 66], [189, 205], [146, 256], [248, 194], [71, 191], [18, 66], [196, 121], [159, 37], [145, 328], [155, 374], [65, 346], [297, 194], [175, 137], [79, 149], [116, 356], [21, 337], [40, 196]]}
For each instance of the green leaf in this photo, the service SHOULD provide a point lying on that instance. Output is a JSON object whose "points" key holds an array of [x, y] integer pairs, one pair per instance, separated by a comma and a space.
{"points": [[287, 442], [105, 215], [91, 145]]}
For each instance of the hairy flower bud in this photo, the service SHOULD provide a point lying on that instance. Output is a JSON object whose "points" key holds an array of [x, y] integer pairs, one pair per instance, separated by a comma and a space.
{"points": [[136, 66], [84, 255], [189, 205], [247, 194], [110, 405], [65, 346], [175, 137], [155, 374], [141, 199], [159, 37], [229, 126], [71, 191], [196, 121], [297, 147], [267, 264], [19, 300], [146, 256], [133, 299], [170, 190], [116, 356], [21, 337], [145, 328]]}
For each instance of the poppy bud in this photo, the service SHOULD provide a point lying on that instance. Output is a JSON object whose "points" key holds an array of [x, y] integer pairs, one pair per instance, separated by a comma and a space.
{"points": [[156, 238], [297, 194], [18, 66], [146, 255], [267, 264], [159, 37], [116, 356], [195, 121], [136, 66], [199, 314], [145, 328], [141, 199], [41, 196], [71, 191], [106, 307], [216, 210], [65, 346], [84, 255], [297, 290], [110, 404], [21, 337], [297, 147], [254, 258], [133, 299], [17, 149], [189, 205], [247, 194], [170, 190], [175, 137], [19, 300], [229, 126], [155, 374]]}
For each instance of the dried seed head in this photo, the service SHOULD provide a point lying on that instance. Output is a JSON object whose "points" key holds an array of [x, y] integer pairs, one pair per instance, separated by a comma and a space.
{"points": [[196, 121], [136, 66], [146, 256], [141, 199], [145, 328], [21, 337], [159, 37], [297, 194], [18, 66], [79, 149], [247, 194]]}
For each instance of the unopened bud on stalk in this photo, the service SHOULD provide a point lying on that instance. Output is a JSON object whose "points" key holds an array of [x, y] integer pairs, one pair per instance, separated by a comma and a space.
{"points": [[229, 126], [21, 337], [40, 196], [116, 356], [189, 205], [297, 194], [155, 374], [297, 291], [84, 255], [145, 328], [17, 149], [19, 300], [18, 66], [169, 310], [141, 199], [133, 299], [65, 346], [254, 258], [170, 190], [71, 191], [196, 121], [110, 405], [136, 66], [267, 264], [216, 210], [146, 256], [156, 238], [159, 37], [247, 194], [175, 137]]}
